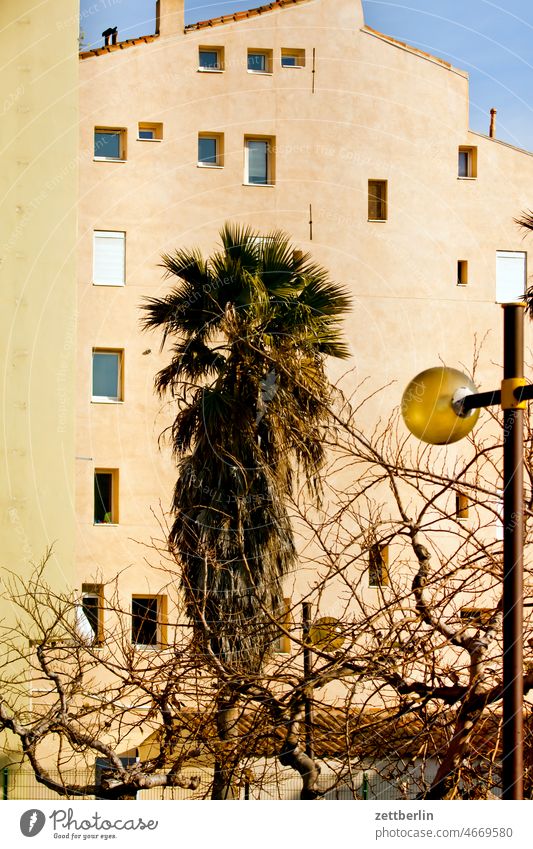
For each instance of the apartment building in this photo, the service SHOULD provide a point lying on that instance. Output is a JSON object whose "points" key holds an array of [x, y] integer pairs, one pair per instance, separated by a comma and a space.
{"points": [[293, 115]]}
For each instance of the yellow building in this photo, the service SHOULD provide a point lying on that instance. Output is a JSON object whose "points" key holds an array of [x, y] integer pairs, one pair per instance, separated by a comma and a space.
{"points": [[294, 116], [38, 214]]}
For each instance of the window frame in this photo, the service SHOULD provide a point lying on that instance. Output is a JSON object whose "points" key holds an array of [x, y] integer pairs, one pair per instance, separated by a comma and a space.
{"points": [[267, 54], [270, 160], [462, 506], [298, 53], [462, 272], [114, 512], [155, 127], [282, 643], [122, 134], [382, 200], [219, 150], [471, 162], [105, 399], [161, 623], [219, 50], [95, 591], [119, 235]]}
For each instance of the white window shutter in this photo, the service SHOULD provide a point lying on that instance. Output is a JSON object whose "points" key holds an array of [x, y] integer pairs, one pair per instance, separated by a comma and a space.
{"points": [[510, 276], [109, 258]]}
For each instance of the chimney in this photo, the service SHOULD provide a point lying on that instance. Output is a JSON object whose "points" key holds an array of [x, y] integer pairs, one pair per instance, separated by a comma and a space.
{"points": [[169, 17], [110, 32], [492, 130]]}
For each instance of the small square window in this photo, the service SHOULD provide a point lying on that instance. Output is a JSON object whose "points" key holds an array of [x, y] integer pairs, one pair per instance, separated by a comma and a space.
{"points": [[107, 375], [150, 132], [467, 163], [259, 161], [461, 506], [148, 621], [292, 58], [462, 272], [109, 258], [378, 566], [109, 143], [106, 496], [211, 59], [377, 200], [211, 150], [93, 608], [260, 61]]}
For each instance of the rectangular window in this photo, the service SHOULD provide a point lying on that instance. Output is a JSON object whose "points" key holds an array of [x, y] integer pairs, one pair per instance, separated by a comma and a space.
{"points": [[109, 143], [211, 59], [378, 566], [107, 375], [93, 608], [377, 200], [150, 132], [282, 644], [148, 620], [467, 162], [292, 58], [260, 61], [259, 162], [109, 258], [461, 506], [106, 496], [462, 272], [511, 276], [211, 150]]}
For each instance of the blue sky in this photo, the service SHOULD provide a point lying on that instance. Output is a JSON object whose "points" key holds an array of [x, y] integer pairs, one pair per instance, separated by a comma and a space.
{"points": [[492, 40]]}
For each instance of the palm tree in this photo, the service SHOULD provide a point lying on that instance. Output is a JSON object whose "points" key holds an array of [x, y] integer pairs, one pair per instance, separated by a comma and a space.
{"points": [[251, 327]]}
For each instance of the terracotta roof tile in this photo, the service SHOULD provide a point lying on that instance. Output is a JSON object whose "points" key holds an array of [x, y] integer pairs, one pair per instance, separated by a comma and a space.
{"points": [[122, 45], [240, 16], [411, 49]]}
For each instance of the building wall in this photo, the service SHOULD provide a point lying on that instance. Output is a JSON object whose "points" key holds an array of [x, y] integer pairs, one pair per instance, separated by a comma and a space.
{"points": [[365, 107], [38, 191]]}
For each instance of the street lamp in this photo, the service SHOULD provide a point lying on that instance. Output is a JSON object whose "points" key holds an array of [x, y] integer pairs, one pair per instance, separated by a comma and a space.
{"points": [[441, 406]]}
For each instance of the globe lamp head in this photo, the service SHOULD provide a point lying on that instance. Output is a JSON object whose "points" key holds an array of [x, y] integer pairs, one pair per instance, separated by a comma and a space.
{"points": [[431, 406]]}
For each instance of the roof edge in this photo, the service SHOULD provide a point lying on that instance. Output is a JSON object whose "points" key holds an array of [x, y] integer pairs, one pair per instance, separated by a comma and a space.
{"points": [[241, 16], [121, 45], [500, 141], [402, 45]]}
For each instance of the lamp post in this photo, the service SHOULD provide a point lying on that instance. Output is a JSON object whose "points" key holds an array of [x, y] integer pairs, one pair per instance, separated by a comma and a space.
{"points": [[441, 406]]}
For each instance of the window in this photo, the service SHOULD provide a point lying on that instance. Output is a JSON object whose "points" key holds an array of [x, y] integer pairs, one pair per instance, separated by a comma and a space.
{"points": [[259, 161], [467, 165], [93, 608], [462, 272], [211, 150], [148, 620], [291, 58], [109, 143], [461, 506], [377, 200], [106, 496], [150, 132], [107, 375], [282, 644], [510, 276], [260, 61], [211, 59], [378, 566], [109, 258]]}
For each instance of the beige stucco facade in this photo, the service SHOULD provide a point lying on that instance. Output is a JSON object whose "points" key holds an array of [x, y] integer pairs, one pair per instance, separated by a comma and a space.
{"points": [[38, 214], [362, 107]]}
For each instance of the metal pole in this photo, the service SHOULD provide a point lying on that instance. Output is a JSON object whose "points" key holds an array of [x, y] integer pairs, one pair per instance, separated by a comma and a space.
{"points": [[309, 719], [513, 519]]}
